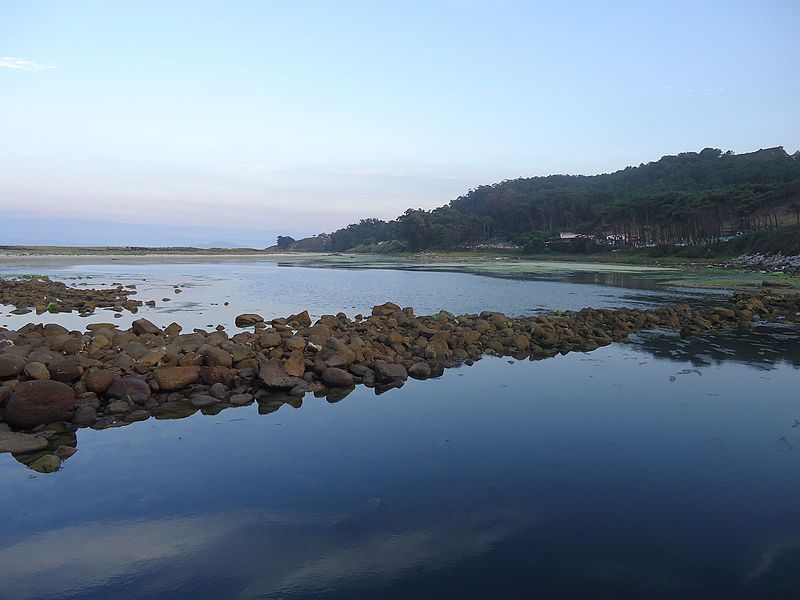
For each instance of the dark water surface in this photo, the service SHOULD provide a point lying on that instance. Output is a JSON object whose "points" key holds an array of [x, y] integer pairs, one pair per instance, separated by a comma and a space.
{"points": [[664, 468]]}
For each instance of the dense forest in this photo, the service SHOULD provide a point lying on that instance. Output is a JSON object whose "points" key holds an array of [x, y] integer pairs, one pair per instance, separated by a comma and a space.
{"points": [[694, 198]]}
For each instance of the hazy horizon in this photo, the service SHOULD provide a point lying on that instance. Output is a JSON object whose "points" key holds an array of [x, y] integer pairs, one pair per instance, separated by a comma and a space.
{"points": [[197, 124]]}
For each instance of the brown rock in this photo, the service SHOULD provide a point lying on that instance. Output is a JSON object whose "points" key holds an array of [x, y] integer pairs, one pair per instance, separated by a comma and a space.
{"points": [[386, 309], [273, 375], [143, 326], [11, 365], [300, 319], [335, 377], [248, 320], [295, 365], [98, 380], [216, 357], [174, 378], [37, 370], [38, 403], [130, 389]]}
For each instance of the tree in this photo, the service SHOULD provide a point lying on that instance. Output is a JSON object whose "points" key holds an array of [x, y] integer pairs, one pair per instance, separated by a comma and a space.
{"points": [[285, 242]]}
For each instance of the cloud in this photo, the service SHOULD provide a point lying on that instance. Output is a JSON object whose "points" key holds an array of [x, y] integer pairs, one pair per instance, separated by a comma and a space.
{"points": [[9, 62]]}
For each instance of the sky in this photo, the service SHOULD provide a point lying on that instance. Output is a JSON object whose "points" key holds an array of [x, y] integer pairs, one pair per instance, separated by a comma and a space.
{"points": [[167, 123]]}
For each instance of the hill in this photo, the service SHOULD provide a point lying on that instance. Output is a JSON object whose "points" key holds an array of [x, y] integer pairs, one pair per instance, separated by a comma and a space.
{"points": [[694, 198]]}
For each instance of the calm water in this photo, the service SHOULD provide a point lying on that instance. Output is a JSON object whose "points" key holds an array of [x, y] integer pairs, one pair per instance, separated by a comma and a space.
{"points": [[664, 468], [273, 290]]}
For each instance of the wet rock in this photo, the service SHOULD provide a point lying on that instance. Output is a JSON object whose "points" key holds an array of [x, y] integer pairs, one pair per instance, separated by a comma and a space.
{"points": [[420, 370], [240, 399], [248, 320], [38, 403], [66, 371], [335, 377]]}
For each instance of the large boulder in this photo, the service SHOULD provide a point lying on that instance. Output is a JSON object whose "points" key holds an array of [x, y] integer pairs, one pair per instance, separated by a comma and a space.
{"points": [[248, 320], [38, 403], [216, 357], [170, 379]]}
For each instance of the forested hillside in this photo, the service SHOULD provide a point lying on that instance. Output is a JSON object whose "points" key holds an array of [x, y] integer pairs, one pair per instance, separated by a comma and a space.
{"points": [[692, 198]]}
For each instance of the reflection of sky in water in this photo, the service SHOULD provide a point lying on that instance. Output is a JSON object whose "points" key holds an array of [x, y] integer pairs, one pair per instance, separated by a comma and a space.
{"points": [[611, 474]]}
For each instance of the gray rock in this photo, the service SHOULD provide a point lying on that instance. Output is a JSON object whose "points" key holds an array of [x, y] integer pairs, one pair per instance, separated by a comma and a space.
{"points": [[336, 377]]}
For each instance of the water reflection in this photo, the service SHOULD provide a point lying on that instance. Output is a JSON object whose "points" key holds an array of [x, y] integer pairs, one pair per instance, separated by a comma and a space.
{"points": [[759, 348]]}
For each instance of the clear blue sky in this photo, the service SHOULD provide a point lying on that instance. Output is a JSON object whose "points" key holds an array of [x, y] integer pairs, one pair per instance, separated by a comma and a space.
{"points": [[242, 119]]}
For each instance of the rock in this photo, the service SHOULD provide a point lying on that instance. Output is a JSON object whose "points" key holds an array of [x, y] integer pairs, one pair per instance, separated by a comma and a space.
{"points": [[212, 375], [273, 375], [129, 389], [143, 326], [98, 380], [151, 358], [386, 309], [13, 441], [66, 371], [270, 340], [420, 370], [202, 400], [216, 357], [248, 320], [336, 377], [49, 463], [300, 319], [219, 391], [37, 370], [389, 372], [118, 407], [174, 378], [38, 403], [85, 416], [295, 365], [240, 399], [11, 365]]}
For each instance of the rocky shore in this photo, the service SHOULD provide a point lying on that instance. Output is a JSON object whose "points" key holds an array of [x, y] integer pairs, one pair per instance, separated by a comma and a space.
{"points": [[771, 263], [41, 294], [54, 381]]}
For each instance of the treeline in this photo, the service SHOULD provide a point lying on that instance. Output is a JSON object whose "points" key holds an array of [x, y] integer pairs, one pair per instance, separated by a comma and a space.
{"points": [[694, 198]]}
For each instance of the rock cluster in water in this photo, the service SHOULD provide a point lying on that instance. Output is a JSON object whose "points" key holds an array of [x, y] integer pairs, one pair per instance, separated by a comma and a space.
{"points": [[42, 294], [53, 381]]}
